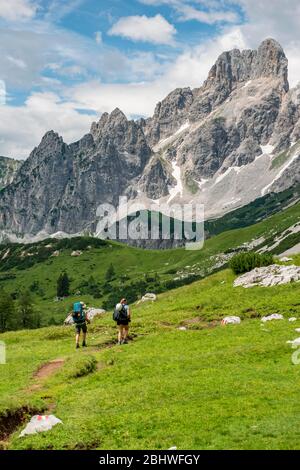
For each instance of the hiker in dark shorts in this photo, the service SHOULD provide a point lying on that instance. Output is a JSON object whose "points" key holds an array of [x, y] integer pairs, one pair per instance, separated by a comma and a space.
{"points": [[80, 321], [123, 321]]}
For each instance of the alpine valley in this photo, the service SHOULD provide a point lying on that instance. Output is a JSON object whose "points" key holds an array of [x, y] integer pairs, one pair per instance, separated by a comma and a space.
{"points": [[225, 144]]}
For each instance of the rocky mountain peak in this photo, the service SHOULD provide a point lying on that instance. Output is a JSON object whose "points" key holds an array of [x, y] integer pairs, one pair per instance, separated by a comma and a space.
{"points": [[236, 66], [108, 122], [49, 138], [51, 145], [117, 114], [271, 61]]}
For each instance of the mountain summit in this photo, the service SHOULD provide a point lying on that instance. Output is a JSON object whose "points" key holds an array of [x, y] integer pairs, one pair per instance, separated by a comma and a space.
{"points": [[239, 66], [223, 144]]}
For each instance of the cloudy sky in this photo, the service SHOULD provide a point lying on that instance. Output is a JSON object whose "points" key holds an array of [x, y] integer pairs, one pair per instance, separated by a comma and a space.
{"points": [[64, 62]]}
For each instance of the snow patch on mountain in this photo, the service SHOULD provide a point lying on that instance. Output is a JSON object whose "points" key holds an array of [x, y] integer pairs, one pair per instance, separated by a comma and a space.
{"points": [[178, 189], [267, 149]]}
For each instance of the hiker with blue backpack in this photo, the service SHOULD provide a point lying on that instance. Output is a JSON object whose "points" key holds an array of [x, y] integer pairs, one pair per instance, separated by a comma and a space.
{"points": [[122, 317], [80, 320]]}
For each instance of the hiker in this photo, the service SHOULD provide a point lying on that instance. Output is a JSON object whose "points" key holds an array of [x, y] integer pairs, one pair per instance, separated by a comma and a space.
{"points": [[80, 319], [122, 316]]}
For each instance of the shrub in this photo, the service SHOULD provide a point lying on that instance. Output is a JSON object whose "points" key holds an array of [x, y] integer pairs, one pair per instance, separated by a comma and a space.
{"points": [[110, 273], [63, 285], [245, 262], [7, 312], [26, 311], [7, 277], [79, 243]]}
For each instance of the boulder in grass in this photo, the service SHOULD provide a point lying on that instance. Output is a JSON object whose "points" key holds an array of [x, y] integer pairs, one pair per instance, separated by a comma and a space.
{"points": [[231, 320], [148, 297], [292, 319], [69, 320], [76, 253], [267, 276], [274, 316], [92, 313]]}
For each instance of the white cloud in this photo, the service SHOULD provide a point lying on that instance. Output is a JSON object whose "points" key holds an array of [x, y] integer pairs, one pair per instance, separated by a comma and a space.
{"points": [[292, 52], [22, 127], [278, 19], [211, 12], [26, 54], [134, 99], [156, 29], [57, 9], [17, 10], [139, 99], [188, 12]]}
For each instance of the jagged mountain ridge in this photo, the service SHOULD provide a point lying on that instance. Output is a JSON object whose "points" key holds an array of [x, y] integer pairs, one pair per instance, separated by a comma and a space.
{"points": [[224, 144]]}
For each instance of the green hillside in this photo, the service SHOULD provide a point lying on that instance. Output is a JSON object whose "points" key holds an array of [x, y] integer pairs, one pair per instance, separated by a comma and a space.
{"points": [[207, 387], [33, 267], [254, 212]]}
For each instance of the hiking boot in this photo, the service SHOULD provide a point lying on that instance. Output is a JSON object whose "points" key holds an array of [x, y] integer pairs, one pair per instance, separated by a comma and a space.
{"points": [[119, 343], [125, 341], [84, 345], [77, 346]]}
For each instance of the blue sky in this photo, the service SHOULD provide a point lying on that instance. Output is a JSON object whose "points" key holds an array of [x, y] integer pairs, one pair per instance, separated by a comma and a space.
{"points": [[100, 27], [63, 63]]}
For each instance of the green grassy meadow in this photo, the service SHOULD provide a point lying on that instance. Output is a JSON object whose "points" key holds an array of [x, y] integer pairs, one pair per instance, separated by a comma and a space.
{"points": [[183, 380], [130, 264], [207, 387]]}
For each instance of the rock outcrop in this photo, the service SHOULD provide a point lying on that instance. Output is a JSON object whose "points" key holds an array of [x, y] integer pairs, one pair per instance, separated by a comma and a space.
{"points": [[8, 169], [269, 276]]}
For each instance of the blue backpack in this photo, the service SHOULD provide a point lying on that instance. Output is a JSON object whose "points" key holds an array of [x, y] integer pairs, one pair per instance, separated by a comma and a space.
{"points": [[78, 313]]}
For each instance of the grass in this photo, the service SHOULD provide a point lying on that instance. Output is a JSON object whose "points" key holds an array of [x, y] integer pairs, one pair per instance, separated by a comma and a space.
{"points": [[133, 262], [280, 159], [209, 387]]}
